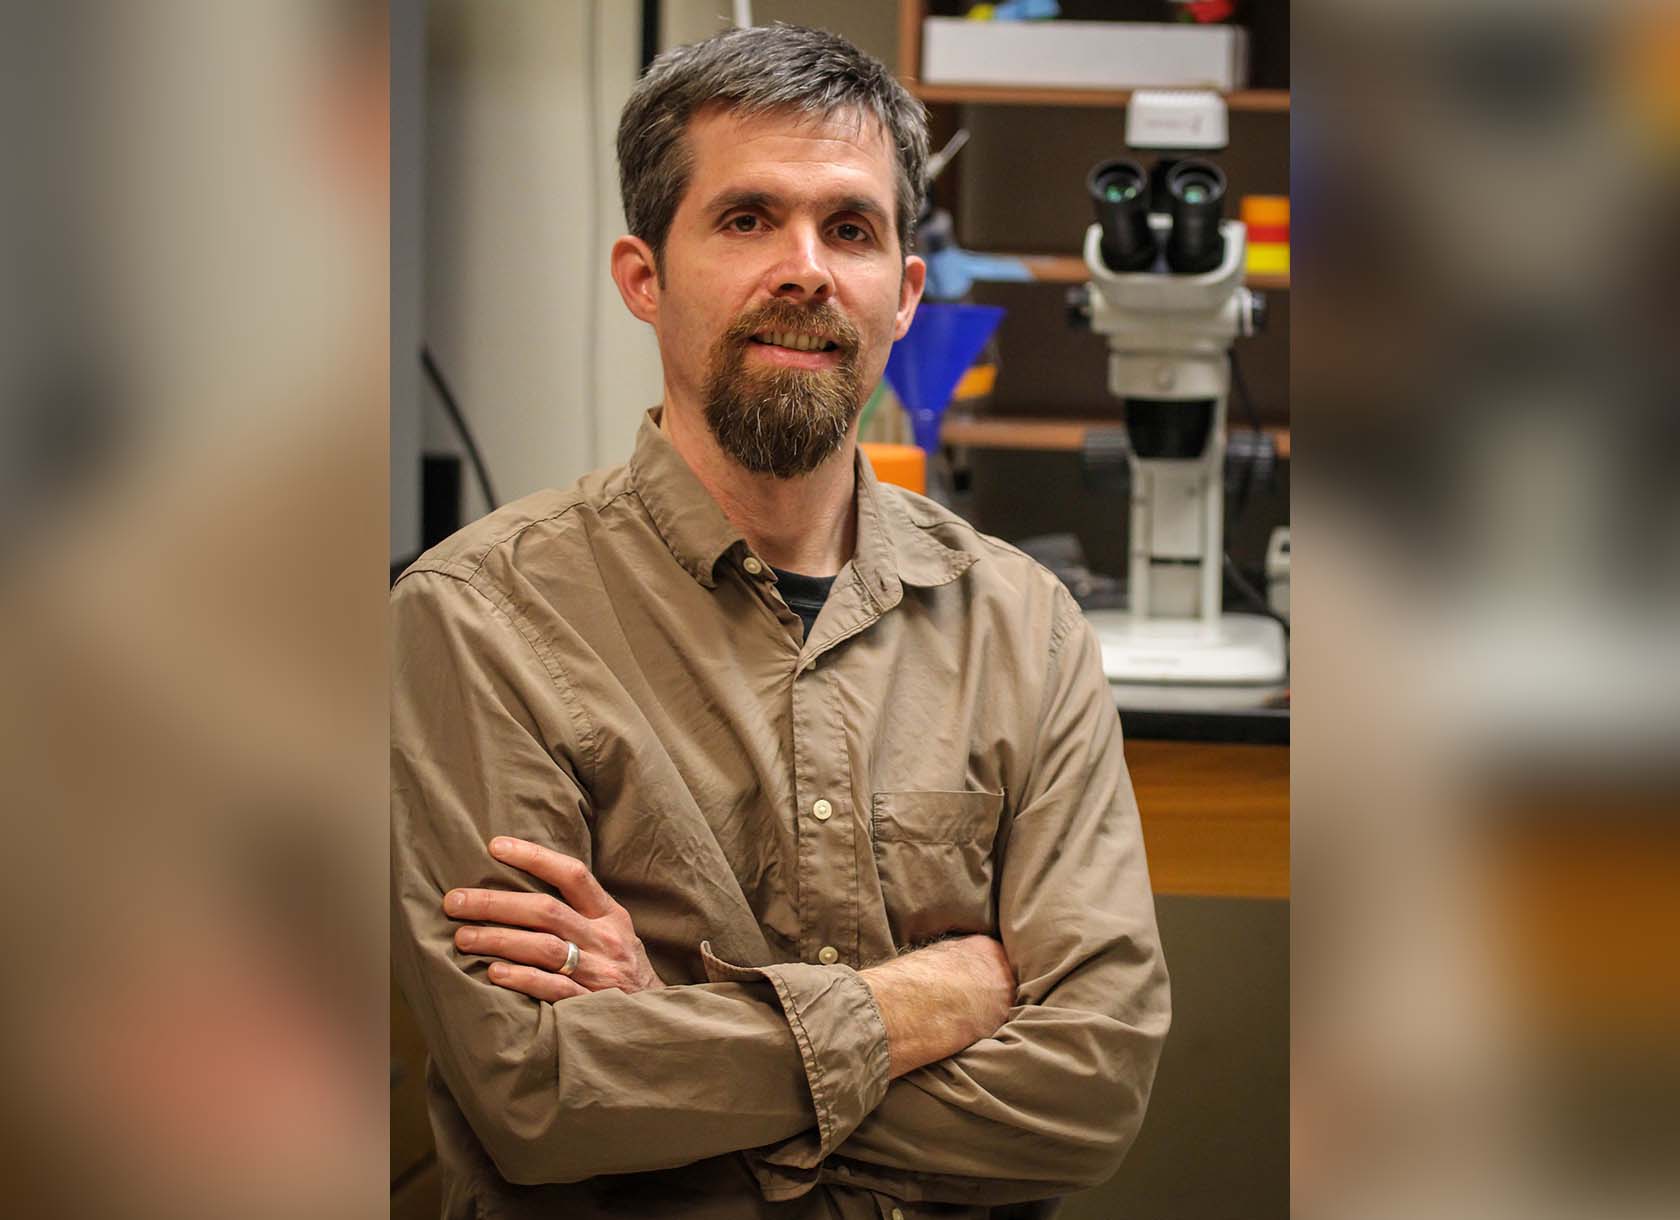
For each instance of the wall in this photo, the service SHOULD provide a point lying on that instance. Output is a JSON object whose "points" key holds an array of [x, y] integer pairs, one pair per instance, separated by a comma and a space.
{"points": [[408, 158], [872, 25], [521, 206]]}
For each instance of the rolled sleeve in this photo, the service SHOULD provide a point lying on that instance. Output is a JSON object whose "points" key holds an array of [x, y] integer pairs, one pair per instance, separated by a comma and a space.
{"points": [[843, 1044]]}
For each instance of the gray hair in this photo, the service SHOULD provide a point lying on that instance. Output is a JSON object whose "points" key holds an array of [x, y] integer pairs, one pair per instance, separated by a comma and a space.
{"points": [[753, 71]]}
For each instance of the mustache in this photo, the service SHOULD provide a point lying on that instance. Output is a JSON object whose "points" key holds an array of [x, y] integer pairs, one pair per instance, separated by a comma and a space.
{"points": [[824, 320]]}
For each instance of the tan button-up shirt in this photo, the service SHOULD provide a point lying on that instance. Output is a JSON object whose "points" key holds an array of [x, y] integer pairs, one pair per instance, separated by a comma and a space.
{"points": [[602, 670]]}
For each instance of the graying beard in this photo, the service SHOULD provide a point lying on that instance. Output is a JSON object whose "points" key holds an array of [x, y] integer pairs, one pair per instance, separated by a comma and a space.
{"points": [[787, 427]]}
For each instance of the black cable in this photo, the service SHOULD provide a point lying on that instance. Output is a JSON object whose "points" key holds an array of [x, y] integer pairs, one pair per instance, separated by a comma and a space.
{"points": [[1252, 595], [454, 410], [1238, 580], [1246, 487], [1238, 380], [650, 33]]}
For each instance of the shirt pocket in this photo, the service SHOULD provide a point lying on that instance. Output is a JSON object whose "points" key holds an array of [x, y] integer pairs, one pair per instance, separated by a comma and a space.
{"points": [[933, 852]]}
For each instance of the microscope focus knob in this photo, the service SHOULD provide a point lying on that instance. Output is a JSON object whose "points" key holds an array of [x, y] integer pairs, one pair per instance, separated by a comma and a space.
{"points": [[1079, 307]]}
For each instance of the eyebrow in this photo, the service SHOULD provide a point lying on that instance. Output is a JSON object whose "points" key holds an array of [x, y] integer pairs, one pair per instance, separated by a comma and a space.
{"points": [[730, 200]]}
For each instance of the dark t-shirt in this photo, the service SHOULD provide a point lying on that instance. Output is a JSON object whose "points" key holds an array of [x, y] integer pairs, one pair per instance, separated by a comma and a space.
{"points": [[803, 594]]}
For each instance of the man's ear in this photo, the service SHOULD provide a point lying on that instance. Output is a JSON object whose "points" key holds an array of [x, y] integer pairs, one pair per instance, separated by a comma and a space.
{"points": [[909, 293], [636, 273]]}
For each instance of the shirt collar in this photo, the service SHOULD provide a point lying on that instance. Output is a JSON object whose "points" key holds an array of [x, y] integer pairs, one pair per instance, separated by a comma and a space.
{"points": [[892, 550], [690, 521]]}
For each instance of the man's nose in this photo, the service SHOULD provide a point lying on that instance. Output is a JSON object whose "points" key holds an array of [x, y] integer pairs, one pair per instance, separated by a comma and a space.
{"points": [[802, 273]]}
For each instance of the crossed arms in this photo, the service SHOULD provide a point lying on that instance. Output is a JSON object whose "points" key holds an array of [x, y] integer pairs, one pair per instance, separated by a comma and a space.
{"points": [[933, 1002], [973, 1071]]}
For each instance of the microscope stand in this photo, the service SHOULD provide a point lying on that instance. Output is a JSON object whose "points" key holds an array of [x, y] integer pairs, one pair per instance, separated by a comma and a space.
{"points": [[1231, 650]]}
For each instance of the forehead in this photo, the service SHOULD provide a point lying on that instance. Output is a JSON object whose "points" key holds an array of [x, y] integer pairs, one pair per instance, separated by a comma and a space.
{"points": [[789, 148]]}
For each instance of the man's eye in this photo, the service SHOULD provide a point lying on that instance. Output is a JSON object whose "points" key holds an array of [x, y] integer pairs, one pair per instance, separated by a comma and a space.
{"points": [[743, 223], [851, 232]]}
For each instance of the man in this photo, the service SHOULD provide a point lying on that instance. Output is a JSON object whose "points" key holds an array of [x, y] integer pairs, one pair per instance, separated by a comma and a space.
{"points": [[762, 840]]}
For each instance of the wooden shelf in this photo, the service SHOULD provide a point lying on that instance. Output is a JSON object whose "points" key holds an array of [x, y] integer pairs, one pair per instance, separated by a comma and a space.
{"points": [[1056, 435], [1068, 269], [910, 14], [1015, 432], [1251, 101], [1056, 268]]}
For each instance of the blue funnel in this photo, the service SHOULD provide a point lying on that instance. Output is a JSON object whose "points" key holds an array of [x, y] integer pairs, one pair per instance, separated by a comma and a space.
{"points": [[925, 366]]}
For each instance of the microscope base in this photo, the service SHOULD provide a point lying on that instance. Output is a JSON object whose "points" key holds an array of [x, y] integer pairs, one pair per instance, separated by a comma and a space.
{"points": [[1233, 650]]}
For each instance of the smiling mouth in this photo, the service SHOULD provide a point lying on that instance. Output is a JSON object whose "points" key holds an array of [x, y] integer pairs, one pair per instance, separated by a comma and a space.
{"points": [[794, 341]]}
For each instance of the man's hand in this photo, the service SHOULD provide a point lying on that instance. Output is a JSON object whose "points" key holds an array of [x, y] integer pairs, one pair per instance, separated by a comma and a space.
{"points": [[941, 999], [610, 954]]}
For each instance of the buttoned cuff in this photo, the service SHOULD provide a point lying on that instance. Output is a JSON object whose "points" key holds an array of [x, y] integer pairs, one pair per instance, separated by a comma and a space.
{"points": [[843, 1043]]}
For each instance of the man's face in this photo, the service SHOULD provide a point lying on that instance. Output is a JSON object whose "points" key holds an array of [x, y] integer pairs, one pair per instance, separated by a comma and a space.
{"points": [[784, 286]]}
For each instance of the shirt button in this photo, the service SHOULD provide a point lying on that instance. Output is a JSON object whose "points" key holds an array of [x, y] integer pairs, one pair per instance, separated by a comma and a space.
{"points": [[821, 811], [828, 955], [752, 565]]}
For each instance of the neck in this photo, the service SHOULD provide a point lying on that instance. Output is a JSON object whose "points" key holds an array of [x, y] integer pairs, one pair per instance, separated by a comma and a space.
{"points": [[806, 524]]}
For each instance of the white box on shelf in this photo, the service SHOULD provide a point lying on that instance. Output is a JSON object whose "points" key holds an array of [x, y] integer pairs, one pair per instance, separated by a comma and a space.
{"points": [[1083, 54]]}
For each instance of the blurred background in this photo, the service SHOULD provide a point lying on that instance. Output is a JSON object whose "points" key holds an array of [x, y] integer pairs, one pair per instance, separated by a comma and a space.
{"points": [[193, 435], [1487, 856]]}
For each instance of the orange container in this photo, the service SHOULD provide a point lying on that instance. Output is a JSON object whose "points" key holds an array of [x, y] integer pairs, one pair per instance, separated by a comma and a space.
{"points": [[1266, 212], [905, 465]]}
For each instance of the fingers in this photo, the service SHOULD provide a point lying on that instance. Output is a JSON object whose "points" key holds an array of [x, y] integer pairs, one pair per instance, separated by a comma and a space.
{"points": [[594, 971], [539, 912], [566, 873], [539, 984], [538, 949]]}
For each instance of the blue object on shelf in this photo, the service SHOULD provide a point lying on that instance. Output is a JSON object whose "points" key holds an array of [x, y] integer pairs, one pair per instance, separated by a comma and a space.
{"points": [[925, 366], [1026, 10], [952, 272]]}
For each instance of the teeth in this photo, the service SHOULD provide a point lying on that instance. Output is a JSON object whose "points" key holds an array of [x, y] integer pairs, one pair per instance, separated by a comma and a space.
{"points": [[794, 341]]}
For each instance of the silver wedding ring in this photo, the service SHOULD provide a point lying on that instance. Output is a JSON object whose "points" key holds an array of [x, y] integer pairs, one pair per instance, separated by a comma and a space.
{"points": [[571, 957]]}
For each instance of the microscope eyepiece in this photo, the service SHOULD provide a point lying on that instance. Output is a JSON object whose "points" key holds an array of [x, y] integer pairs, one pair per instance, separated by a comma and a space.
{"points": [[1196, 201], [1120, 195]]}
